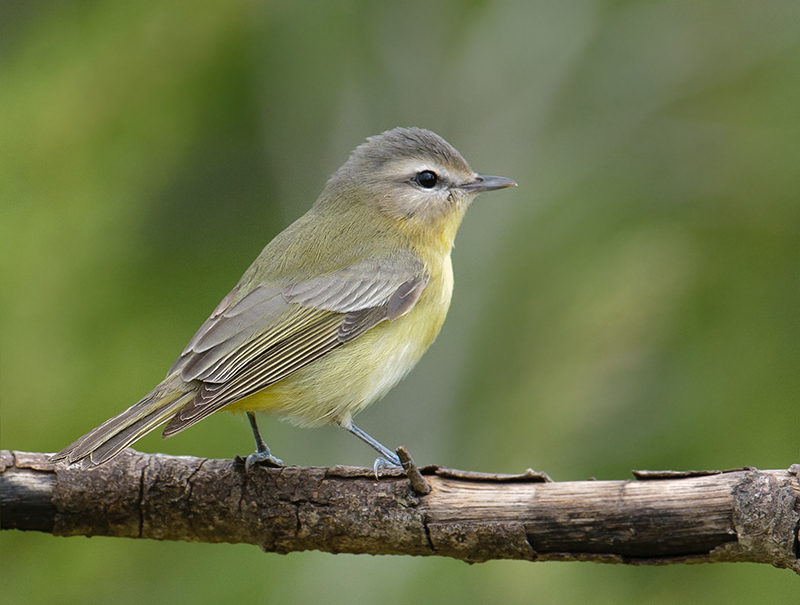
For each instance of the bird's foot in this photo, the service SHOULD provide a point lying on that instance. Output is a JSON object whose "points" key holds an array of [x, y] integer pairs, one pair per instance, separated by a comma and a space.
{"points": [[262, 458], [385, 463]]}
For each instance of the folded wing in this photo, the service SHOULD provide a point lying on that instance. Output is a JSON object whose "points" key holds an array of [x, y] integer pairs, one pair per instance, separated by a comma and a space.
{"points": [[253, 341]]}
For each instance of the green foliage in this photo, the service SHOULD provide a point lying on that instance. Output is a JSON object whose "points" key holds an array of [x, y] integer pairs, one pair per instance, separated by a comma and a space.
{"points": [[633, 304]]}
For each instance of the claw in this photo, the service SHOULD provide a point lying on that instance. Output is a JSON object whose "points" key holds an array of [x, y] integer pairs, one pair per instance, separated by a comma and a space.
{"points": [[263, 459], [383, 463]]}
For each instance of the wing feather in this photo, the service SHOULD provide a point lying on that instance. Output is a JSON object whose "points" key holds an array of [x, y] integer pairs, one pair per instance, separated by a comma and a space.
{"points": [[276, 329]]}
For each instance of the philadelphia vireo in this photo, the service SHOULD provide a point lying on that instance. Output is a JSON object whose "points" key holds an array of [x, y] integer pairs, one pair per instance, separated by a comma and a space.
{"points": [[333, 312]]}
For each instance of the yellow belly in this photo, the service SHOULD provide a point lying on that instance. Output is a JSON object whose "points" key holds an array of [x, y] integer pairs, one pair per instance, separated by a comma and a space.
{"points": [[346, 380]]}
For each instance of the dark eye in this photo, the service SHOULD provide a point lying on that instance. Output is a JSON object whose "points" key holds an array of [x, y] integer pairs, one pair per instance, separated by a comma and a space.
{"points": [[426, 179]]}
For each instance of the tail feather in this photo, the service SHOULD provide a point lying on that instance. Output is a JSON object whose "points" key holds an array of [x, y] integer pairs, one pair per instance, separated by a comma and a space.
{"points": [[110, 438]]}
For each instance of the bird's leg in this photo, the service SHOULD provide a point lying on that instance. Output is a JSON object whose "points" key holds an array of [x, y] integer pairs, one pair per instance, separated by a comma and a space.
{"points": [[388, 459], [262, 454]]}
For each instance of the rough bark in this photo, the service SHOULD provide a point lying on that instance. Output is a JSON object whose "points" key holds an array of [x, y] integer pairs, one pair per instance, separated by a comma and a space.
{"points": [[657, 518]]}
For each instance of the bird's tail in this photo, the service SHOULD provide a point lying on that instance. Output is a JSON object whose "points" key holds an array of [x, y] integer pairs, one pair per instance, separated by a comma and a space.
{"points": [[114, 435]]}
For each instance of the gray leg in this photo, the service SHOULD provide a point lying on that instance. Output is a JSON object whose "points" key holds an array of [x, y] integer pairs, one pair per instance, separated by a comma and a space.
{"points": [[262, 454], [388, 459]]}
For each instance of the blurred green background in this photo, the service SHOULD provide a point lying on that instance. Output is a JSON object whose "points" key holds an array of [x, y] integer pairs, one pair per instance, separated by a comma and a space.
{"points": [[633, 304]]}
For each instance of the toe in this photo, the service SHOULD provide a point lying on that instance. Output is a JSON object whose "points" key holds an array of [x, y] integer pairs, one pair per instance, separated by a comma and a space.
{"points": [[383, 464], [262, 459]]}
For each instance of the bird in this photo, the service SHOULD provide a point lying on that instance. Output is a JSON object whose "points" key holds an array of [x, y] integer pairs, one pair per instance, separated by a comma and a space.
{"points": [[334, 311]]}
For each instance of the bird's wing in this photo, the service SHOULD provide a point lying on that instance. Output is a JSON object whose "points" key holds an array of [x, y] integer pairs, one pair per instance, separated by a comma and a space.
{"points": [[279, 327]]}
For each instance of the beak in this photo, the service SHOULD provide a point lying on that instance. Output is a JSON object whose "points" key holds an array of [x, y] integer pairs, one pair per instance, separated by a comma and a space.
{"points": [[487, 183]]}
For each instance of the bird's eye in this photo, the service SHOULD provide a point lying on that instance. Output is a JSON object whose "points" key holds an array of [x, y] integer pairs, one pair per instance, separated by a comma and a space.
{"points": [[426, 179]]}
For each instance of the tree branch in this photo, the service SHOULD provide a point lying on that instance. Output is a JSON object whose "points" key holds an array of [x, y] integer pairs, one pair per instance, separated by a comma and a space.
{"points": [[660, 518]]}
